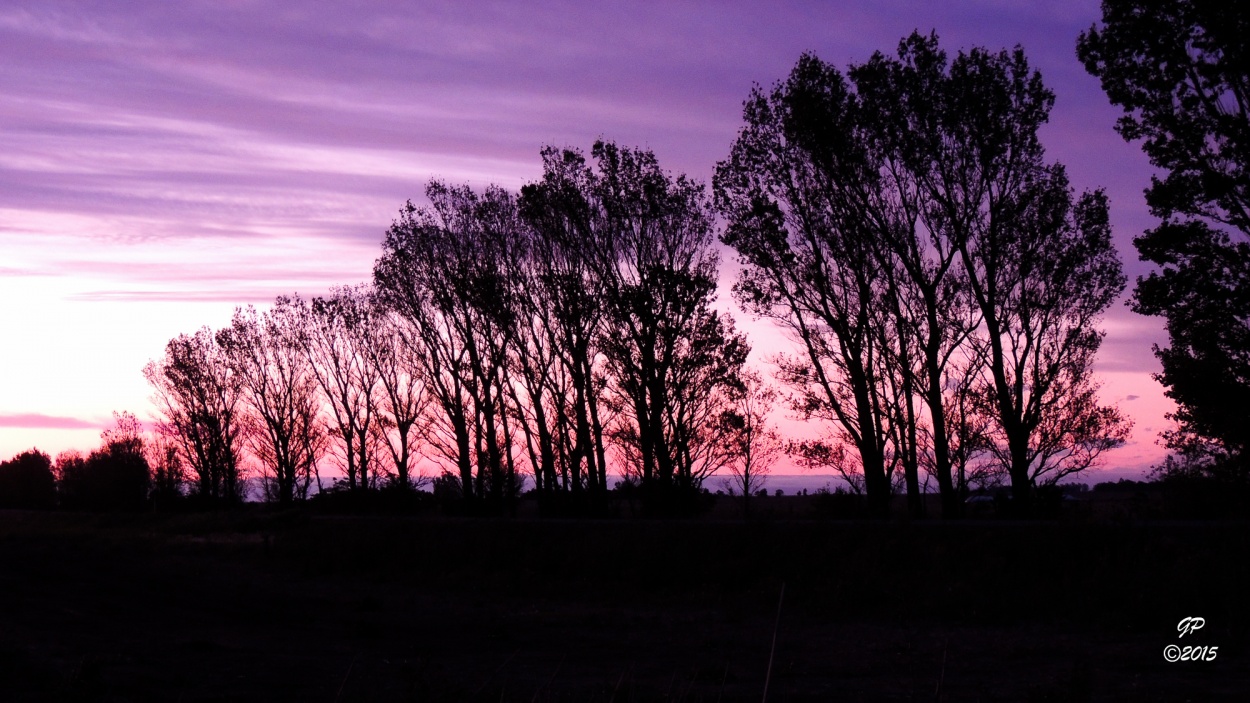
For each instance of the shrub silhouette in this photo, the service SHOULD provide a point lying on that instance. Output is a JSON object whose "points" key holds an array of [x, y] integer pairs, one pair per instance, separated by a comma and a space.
{"points": [[838, 504], [114, 477], [27, 481]]}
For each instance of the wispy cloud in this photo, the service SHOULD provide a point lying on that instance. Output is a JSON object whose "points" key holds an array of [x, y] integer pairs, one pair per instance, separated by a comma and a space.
{"points": [[231, 296], [37, 421]]}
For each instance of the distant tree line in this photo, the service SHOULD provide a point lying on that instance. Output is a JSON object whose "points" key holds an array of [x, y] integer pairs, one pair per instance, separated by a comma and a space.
{"points": [[116, 476], [899, 222]]}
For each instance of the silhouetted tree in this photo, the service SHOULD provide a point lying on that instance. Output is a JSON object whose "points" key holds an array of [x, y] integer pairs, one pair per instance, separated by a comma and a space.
{"points": [[912, 112], [798, 191], [545, 397], [199, 398], [403, 400], [126, 433], [265, 353], [568, 314], [1040, 267], [335, 331], [645, 239], [904, 227], [973, 465], [1180, 69], [444, 269], [168, 471], [68, 463], [27, 482], [756, 444], [114, 477]]}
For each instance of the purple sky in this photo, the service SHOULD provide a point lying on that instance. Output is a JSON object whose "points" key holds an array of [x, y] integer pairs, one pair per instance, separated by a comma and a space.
{"points": [[163, 162]]}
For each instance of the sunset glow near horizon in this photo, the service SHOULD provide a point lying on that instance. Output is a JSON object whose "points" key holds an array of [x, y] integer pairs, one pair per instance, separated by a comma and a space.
{"points": [[163, 163]]}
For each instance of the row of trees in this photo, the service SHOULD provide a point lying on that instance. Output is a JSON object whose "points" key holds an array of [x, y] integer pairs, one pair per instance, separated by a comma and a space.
{"points": [[118, 475], [284, 388], [941, 280], [544, 335], [574, 316]]}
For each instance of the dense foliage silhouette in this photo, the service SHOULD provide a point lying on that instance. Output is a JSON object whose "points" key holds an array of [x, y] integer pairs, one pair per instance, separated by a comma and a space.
{"points": [[27, 481], [941, 281], [1181, 72]]}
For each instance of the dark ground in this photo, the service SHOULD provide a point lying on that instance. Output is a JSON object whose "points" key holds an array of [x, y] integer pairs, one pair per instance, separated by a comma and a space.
{"points": [[264, 606]]}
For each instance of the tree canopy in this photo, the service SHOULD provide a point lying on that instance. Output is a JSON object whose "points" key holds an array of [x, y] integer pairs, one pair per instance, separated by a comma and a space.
{"points": [[902, 223], [1181, 72]]}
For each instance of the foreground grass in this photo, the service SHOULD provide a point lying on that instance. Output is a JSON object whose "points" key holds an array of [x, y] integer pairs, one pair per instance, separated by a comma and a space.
{"points": [[290, 606]]}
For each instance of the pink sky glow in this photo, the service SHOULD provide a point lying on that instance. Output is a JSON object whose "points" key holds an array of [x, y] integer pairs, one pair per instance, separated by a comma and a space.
{"points": [[161, 163]]}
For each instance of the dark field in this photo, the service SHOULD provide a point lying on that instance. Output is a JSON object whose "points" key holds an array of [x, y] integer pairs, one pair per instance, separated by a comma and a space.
{"points": [[266, 606]]}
